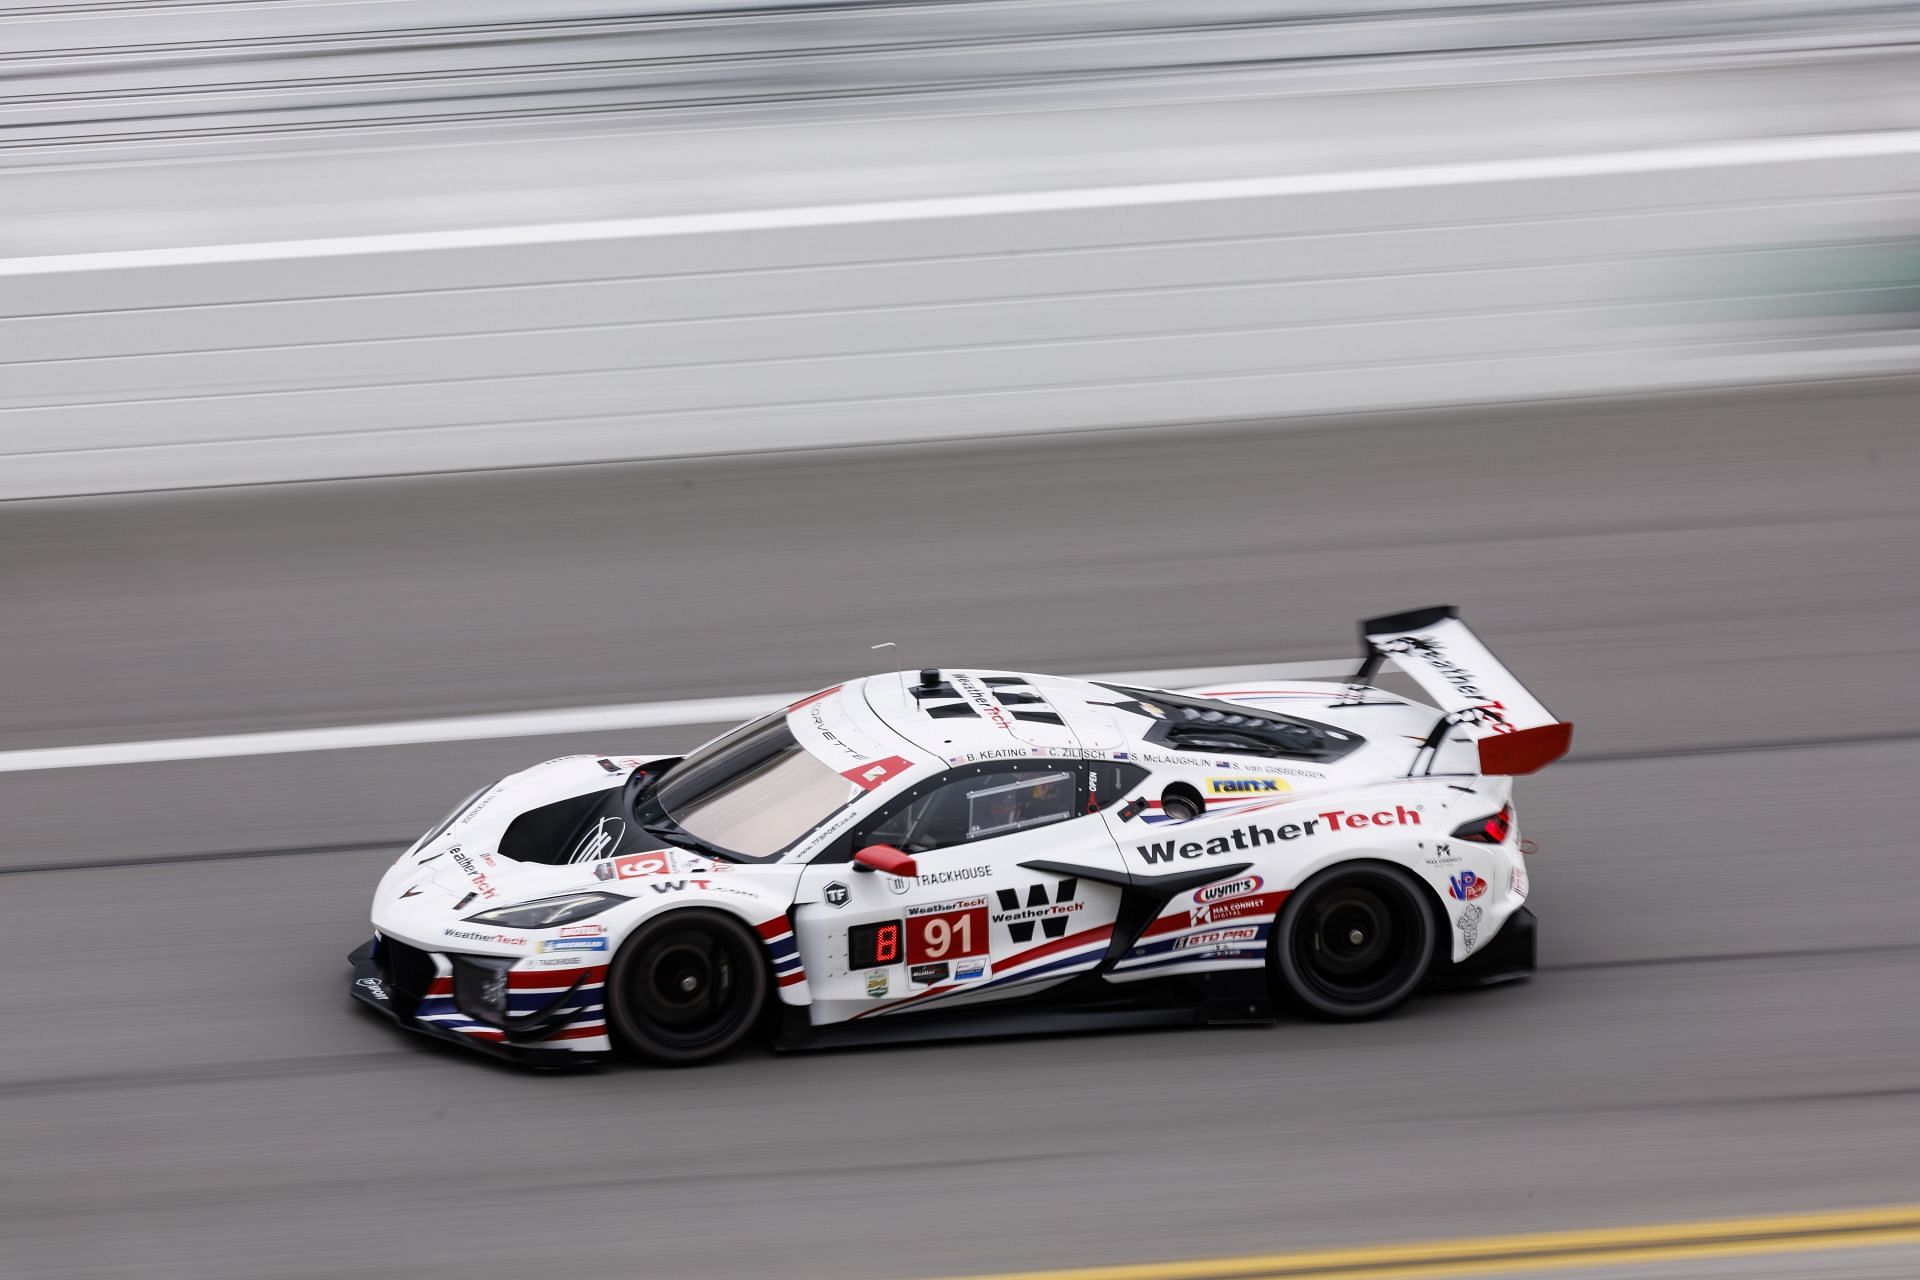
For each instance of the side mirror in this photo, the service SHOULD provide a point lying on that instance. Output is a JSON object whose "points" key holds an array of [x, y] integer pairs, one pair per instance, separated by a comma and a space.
{"points": [[884, 857]]}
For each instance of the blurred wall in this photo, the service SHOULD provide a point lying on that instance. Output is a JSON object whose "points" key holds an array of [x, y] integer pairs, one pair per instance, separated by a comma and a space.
{"points": [[1142, 213]]}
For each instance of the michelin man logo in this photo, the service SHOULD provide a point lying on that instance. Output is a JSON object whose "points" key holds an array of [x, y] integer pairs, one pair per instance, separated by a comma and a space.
{"points": [[1469, 923]]}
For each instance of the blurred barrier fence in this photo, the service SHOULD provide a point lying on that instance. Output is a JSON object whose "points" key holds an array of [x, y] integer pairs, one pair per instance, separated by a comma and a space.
{"points": [[945, 318], [146, 70]]}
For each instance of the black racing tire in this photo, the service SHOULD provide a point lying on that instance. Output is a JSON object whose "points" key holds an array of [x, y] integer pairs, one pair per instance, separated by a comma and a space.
{"points": [[686, 987], [1353, 942]]}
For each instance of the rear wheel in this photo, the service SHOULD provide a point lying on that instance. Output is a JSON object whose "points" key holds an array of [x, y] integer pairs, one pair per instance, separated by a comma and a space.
{"points": [[1353, 942], [686, 986]]}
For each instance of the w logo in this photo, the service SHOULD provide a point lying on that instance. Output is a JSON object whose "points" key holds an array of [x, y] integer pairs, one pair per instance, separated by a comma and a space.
{"points": [[1049, 913]]}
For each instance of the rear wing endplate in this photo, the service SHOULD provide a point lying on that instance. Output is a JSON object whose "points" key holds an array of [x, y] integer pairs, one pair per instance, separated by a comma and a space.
{"points": [[1470, 685]]}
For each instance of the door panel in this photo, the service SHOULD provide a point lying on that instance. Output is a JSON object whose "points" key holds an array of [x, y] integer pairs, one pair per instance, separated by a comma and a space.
{"points": [[974, 927]]}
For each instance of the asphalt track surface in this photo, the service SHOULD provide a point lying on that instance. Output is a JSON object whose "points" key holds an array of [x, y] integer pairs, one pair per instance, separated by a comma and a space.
{"points": [[1717, 589]]}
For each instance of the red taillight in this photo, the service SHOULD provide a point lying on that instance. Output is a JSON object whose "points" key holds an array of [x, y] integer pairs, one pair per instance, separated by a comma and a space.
{"points": [[1492, 830]]}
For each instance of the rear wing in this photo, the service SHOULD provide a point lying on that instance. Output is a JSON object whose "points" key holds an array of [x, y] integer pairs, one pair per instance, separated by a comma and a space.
{"points": [[1472, 687]]}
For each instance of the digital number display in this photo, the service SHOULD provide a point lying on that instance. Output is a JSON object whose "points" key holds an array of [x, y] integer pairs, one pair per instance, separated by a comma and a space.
{"points": [[871, 945]]}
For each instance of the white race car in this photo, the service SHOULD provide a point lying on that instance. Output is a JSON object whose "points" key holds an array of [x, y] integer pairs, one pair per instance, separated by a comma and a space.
{"points": [[975, 852]]}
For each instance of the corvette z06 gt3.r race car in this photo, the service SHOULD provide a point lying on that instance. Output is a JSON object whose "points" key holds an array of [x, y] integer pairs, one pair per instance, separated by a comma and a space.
{"points": [[972, 852]]}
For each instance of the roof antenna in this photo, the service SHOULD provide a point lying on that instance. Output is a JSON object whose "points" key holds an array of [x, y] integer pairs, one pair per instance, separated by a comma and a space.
{"points": [[897, 669]]}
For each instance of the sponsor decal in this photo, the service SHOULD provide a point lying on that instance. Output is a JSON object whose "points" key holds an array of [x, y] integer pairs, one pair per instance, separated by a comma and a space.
{"points": [[1469, 924], [583, 931], [968, 970], [1443, 856], [951, 874], [1428, 649], [1232, 900], [1050, 913], [833, 826], [372, 986], [1217, 939], [556, 962], [504, 939], [632, 865], [474, 873], [602, 840], [1517, 880], [1234, 909], [1228, 889], [926, 975], [989, 708], [958, 904], [677, 886], [574, 944], [1247, 786], [1241, 839], [877, 983], [1465, 886], [1487, 715], [899, 884], [869, 776], [836, 894]]}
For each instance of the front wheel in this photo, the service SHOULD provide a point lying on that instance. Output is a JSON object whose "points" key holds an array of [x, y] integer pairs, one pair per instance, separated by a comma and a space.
{"points": [[1353, 942], [686, 986]]}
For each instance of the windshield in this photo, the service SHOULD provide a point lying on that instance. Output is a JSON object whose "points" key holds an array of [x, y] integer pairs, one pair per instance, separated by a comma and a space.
{"points": [[753, 792]]}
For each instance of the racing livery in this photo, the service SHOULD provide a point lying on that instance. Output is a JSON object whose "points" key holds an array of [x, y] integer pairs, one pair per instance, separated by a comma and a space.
{"points": [[972, 852]]}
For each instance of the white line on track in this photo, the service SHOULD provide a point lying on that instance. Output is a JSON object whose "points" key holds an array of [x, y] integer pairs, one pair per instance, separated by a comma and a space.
{"points": [[1593, 164], [530, 724]]}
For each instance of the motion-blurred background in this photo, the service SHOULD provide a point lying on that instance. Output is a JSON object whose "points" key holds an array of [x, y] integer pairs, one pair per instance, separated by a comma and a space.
{"points": [[371, 371]]}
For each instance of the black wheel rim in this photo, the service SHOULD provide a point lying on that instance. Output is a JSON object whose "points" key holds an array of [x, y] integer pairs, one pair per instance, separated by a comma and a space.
{"points": [[685, 988], [1359, 939]]}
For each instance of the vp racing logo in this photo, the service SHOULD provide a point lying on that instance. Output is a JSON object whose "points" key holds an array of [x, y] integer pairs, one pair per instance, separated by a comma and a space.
{"points": [[601, 840]]}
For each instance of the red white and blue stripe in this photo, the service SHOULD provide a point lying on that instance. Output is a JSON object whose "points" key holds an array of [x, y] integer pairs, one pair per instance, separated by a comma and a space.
{"points": [[530, 990], [1054, 960], [777, 935]]}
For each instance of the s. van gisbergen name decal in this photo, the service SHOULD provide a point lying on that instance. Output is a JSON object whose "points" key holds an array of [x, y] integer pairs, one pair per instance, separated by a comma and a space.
{"points": [[1254, 837]]}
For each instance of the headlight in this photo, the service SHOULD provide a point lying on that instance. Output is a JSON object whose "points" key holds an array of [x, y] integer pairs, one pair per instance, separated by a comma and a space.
{"points": [[545, 913], [440, 828]]}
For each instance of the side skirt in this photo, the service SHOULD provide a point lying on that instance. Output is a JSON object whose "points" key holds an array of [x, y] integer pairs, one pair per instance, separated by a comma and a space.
{"points": [[1233, 997]]}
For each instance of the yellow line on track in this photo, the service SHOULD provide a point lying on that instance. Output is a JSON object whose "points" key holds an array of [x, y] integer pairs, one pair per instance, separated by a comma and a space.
{"points": [[1539, 1252]]}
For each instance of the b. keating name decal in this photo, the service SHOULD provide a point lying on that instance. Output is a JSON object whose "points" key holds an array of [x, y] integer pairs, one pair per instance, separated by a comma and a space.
{"points": [[1255, 836]]}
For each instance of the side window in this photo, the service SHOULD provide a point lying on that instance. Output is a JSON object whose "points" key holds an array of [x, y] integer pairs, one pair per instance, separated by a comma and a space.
{"points": [[977, 806], [1110, 784]]}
